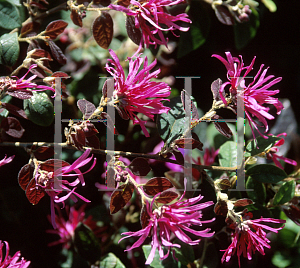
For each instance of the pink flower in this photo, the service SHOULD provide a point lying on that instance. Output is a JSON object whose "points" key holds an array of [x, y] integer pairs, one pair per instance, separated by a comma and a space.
{"points": [[271, 154], [19, 88], [11, 262], [5, 160], [136, 93], [152, 18], [255, 94], [66, 228], [45, 182], [176, 218], [249, 237]]}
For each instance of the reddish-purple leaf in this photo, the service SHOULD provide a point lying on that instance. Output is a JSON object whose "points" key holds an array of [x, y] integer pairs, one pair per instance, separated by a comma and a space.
{"points": [[135, 34], [196, 138], [38, 5], [166, 197], [12, 127], [57, 53], [124, 3], [139, 166], [189, 143], [293, 212], [55, 28], [25, 175], [43, 153], [80, 137], [29, 27], [34, 195], [90, 130], [185, 98], [120, 197], [51, 163], [222, 127], [223, 15], [75, 142], [103, 30], [215, 89], [144, 218], [14, 110], [243, 202], [76, 18], [221, 208], [87, 108], [40, 53], [45, 2], [223, 184], [22, 94], [179, 157], [157, 185], [93, 142]]}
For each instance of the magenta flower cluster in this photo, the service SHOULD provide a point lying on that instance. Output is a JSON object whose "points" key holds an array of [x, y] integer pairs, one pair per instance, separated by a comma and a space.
{"points": [[136, 93], [152, 18], [255, 95]]}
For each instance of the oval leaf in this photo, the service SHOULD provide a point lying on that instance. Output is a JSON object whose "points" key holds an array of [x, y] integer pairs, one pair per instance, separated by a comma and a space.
{"points": [[222, 127], [44, 152], [39, 109], [262, 145], [29, 27], [166, 197], [243, 202], [12, 127], [285, 193], [55, 28], [139, 166], [50, 164], [135, 34], [120, 197], [9, 48], [259, 190], [103, 30], [157, 185], [87, 108], [25, 175], [221, 208], [34, 195], [228, 154], [75, 17], [144, 218], [266, 173], [10, 17], [57, 53]]}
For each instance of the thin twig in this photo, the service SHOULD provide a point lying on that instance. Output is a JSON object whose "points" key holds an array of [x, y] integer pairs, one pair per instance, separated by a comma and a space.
{"points": [[120, 153]]}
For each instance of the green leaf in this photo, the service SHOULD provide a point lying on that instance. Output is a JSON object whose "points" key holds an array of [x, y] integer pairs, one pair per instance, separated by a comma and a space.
{"points": [[14, 2], [262, 144], [198, 32], [86, 243], [228, 154], [259, 191], [285, 193], [244, 32], [157, 263], [39, 109], [266, 173], [185, 254], [111, 261], [172, 125], [9, 48], [10, 18], [6, 99]]}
